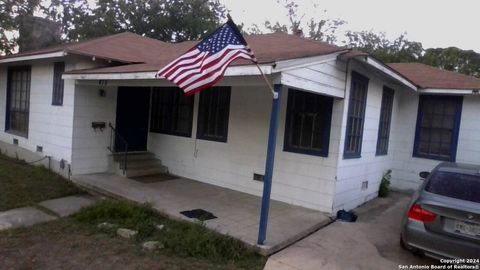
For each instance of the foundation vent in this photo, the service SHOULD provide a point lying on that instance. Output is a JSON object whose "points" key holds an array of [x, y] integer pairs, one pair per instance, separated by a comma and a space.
{"points": [[15, 141], [364, 185], [258, 177], [39, 149]]}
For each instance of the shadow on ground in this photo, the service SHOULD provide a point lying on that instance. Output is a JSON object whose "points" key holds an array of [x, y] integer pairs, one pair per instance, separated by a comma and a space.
{"points": [[370, 243]]}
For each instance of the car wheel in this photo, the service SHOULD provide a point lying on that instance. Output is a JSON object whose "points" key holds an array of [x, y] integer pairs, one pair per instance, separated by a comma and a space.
{"points": [[404, 245], [413, 250]]}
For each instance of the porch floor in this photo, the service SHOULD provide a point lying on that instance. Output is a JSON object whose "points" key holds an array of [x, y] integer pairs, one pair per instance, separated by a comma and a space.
{"points": [[237, 213]]}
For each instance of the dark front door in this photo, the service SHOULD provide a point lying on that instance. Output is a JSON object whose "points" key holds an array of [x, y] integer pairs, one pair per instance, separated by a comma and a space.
{"points": [[132, 118]]}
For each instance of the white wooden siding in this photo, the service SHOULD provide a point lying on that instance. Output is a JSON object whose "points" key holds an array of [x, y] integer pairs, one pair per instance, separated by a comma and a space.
{"points": [[327, 78], [90, 153], [407, 167], [49, 126], [298, 179], [369, 167]]}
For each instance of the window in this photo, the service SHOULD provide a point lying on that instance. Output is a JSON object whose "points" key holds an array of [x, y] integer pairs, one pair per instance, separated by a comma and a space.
{"points": [[57, 94], [172, 112], [213, 114], [307, 127], [455, 185], [438, 122], [385, 120], [356, 116], [18, 100]]}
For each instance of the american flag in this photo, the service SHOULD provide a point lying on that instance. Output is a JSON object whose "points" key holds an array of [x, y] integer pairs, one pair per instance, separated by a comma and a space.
{"points": [[204, 65]]}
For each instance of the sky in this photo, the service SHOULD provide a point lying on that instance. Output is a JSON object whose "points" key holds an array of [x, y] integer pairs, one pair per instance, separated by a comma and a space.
{"points": [[439, 23]]}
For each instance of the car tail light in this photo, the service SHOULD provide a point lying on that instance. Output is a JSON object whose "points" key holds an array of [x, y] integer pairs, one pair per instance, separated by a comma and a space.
{"points": [[418, 213]]}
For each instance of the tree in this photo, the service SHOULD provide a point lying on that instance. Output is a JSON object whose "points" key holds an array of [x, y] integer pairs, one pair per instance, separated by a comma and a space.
{"points": [[167, 20], [318, 29], [10, 13], [324, 30], [453, 59], [380, 47]]}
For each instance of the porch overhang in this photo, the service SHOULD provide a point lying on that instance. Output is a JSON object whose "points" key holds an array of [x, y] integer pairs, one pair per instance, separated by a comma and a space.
{"points": [[438, 91], [280, 72]]}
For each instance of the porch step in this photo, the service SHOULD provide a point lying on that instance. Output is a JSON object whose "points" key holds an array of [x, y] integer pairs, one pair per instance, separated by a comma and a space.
{"points": [[139, 164], [134, 156]]}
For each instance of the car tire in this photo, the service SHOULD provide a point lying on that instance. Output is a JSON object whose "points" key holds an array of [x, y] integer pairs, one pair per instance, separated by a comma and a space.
{"points": [[413, 250], [404, 245]]}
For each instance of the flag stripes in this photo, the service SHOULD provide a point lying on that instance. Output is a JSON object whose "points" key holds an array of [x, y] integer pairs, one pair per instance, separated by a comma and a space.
{"points": [[205, 64]]}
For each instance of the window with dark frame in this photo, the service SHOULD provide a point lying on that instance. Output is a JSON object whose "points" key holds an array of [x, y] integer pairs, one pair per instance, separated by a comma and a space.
{"points": [[172, 111], [384, 122], [438, 122], [356, 116], [213, 113], [307, 127], [18, 100], [58, 84]]}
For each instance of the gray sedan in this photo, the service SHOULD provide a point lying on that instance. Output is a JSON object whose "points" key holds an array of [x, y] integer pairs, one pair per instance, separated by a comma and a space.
{"points": [[443, 217]]}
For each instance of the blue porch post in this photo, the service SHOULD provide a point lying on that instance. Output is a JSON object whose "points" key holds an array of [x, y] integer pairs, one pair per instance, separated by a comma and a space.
{"points": [[267, 184]]}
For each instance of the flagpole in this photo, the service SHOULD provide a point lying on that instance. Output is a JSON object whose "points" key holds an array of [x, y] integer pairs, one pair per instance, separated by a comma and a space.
{"points": [[275, 94]]}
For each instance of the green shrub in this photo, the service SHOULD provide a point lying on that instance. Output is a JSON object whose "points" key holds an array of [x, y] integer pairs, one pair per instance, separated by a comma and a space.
{"points": [[384, 189]]}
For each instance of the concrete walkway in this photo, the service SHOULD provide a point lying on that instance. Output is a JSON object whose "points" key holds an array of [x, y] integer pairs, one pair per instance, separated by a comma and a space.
{"points": [[28, 216], [237, 213], [370, 243]]}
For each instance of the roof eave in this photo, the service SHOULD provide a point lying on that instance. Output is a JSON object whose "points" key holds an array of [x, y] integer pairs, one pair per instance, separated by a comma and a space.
{"points": [[377, 64], [243, 70], [103, 57], [56, 54], [449, 91]]}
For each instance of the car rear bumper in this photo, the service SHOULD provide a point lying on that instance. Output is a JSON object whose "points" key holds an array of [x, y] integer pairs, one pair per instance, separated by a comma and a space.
{"points": [[436, 245]]}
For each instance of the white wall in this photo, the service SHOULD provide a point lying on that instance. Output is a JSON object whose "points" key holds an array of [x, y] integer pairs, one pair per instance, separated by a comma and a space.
{"points": [[49, 126], [369, 167], [89, 149], [298, 179], [406, 167]]}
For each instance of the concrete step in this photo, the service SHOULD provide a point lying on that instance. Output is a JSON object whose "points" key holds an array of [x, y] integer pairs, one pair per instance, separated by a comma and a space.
{"points": [[133, 156], [145, 163], [139, 164], [134, 172]]}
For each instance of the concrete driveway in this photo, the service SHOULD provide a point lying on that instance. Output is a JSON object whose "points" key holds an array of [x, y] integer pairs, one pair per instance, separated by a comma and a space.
{"points": [[370, 243]]}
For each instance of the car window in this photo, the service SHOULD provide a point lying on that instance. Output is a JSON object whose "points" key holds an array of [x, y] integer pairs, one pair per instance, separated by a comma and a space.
{"points": [[459, 186]]}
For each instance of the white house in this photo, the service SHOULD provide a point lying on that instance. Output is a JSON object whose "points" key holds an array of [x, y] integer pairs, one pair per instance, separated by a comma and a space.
{"points": [[345, 117]]}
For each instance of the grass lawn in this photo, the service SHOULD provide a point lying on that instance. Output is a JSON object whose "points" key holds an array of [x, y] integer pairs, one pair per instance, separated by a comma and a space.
{"points": [[77, 243], [22, 184]]}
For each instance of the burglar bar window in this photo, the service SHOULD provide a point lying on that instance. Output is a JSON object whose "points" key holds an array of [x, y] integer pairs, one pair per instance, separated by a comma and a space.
{"points": [[384, 123], [57, 94], [307, 128], [438, 122], [213, 114], [356, 116], [172, 112], [18, 100]]}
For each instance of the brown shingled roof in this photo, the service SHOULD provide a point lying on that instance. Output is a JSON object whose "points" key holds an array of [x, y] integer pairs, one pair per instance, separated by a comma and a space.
{"points": [[124, 47], [148, 54], [425, 76], [268, 48]]}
